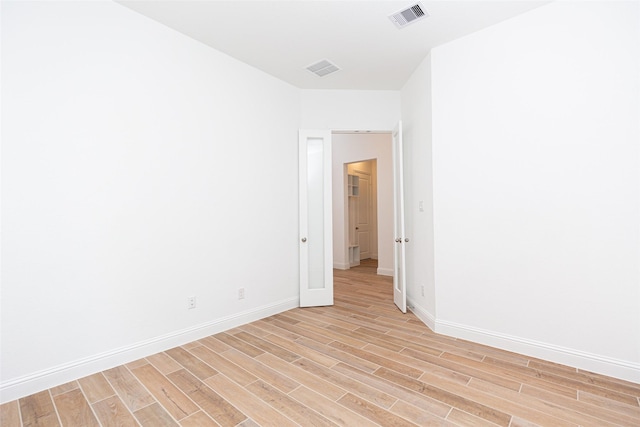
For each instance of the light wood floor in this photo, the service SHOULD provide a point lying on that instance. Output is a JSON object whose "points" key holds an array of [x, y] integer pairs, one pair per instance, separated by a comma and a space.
{"points": [[358, 363]]}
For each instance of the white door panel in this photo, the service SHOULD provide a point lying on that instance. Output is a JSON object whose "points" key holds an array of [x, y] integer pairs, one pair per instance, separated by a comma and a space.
{"points": [[316, 250], [399, 279]]}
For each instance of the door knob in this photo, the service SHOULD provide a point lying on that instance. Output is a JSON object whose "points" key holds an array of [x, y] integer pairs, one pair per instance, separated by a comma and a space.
{"points": [[406, 239], [398, 240], [304, 239]]}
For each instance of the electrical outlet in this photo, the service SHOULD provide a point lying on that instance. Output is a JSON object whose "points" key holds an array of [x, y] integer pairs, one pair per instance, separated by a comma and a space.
{"points": [[241, 293], [191, 302]]}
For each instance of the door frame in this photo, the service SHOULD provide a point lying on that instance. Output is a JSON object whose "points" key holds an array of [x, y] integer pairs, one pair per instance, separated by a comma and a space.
{"points": [[328, 229], [373, 206], [356, 150]]}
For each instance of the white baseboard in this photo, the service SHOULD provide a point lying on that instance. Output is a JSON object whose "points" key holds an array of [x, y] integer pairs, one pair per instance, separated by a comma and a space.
{"points": [[23, 386], [341, 266], [385, 271], [422, 314], [622, 369]]}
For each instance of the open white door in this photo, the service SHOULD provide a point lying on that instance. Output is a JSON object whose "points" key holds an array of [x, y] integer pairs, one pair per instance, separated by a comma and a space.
{"points": [[315, 240], [399, 280]]}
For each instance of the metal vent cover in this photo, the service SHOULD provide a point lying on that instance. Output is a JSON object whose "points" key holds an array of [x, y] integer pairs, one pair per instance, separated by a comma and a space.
{"points": [[322, 68], [408, 15]]}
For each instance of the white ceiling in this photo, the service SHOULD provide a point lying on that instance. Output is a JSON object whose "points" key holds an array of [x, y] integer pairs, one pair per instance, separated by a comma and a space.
{"points": [[282, 38]]}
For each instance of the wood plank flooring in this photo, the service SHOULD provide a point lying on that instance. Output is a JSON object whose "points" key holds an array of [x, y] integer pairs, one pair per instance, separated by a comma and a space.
{"points": [[358, 363]]}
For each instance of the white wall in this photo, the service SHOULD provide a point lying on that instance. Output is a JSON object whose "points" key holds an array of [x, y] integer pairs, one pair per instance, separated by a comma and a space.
{"points": [[349, 109], [537, 185], [418, 181], [139, 168], [348, 148]]}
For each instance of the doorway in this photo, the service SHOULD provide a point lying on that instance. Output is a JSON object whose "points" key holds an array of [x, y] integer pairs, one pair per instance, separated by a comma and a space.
{"points": [[352, 148], [362, 224], [344, 148]]}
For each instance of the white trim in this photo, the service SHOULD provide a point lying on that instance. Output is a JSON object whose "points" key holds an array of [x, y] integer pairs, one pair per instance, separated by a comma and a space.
{"points": [[385, 271], [422, 314], [341, 266], [47, 378], [617, 368]]}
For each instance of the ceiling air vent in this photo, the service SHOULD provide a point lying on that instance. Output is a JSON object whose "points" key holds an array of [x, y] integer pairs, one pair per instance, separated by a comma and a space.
{"points": [[322, 68], [409, 15]]}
